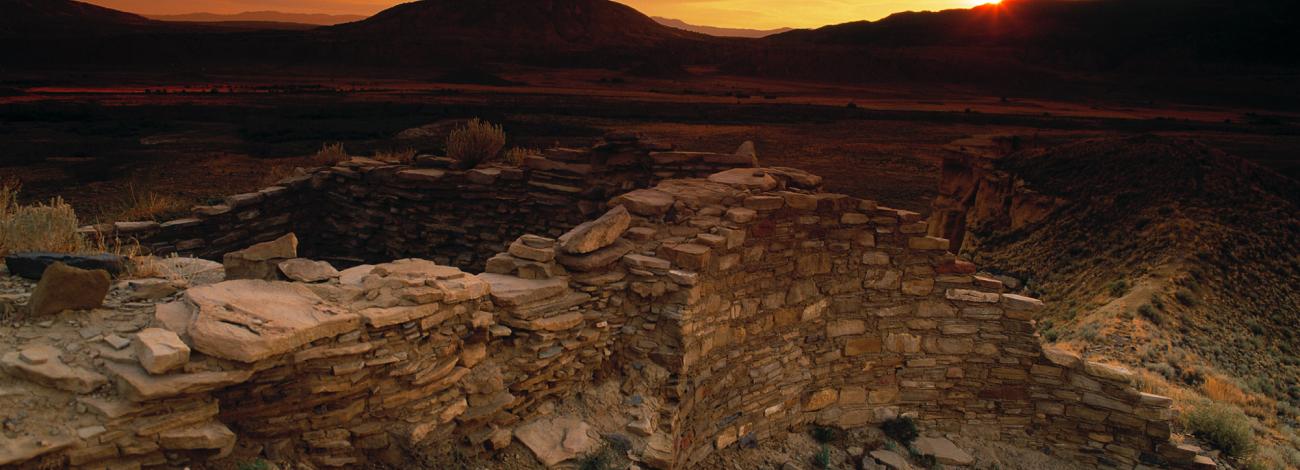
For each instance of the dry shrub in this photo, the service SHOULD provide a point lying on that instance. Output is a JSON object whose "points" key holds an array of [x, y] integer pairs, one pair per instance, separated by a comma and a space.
{"points": [[276, 173], [1223, 390], [149, 205], [516, 155], [404, 156], [1223, 426], [475, 143], [40, 227], [331, 153]]}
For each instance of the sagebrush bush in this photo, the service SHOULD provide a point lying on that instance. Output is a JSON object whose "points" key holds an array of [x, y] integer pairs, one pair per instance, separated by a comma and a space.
{"points": [[902, 429], [475, 143], [39, 227], [1223, 426], [141, 204]]}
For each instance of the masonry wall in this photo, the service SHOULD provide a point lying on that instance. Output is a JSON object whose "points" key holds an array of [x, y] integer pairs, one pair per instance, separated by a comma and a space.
{"points": [[770, 304], [366, 211]]}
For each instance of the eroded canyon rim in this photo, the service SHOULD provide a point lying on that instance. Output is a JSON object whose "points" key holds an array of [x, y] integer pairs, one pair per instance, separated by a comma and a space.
{"points": [[738, 301]]}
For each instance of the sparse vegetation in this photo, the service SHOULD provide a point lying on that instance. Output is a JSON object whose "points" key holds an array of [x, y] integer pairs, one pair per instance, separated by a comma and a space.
{"points": [[1224, 426], [902, 429], [1151, 314], [823, 457], [331, 153], [601, 459], [516, 155], [258, 464], [146, 204], [475, 143], [823, 434], [39, 227], [1186, 297], [1117, 288]]}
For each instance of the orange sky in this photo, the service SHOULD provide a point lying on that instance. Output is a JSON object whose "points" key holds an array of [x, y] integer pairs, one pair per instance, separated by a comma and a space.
{"points": [[761, 14]]}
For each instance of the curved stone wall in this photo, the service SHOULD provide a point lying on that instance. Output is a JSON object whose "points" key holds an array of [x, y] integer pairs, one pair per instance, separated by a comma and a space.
{"points": [[770, 304]]}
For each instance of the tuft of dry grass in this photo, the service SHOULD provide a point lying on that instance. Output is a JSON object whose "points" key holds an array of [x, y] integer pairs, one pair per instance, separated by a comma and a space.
{"points": [[404, 156], [331, 153], [40, 227], [475, 143], [149, 205], [516, 155]]}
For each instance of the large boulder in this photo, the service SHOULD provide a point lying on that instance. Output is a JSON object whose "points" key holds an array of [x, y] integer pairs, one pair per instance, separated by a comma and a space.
{"points": [[64, 287], [261, 261], [33, 265], [596, 234]]}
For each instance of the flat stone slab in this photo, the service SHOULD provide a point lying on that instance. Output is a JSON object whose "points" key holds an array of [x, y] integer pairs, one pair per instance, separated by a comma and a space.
{"points": [[891, 460], [554, 440], [511, 291], [597, 259], [943, 450], [596, 234], [251, 320], [41, 364], [32, 265], [139, 386], [745, 178], [646, 202]]}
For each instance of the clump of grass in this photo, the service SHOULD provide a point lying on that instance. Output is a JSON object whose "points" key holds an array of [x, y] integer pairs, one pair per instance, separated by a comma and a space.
{"points": [[823, 458], [1117, 288], [40, 227], [516, 155], [404, 156], [902, 429], [823, 434], [149, 205], [331, 153], [1186, 297], [1223, 426], [1151, 314], [475, 143]]}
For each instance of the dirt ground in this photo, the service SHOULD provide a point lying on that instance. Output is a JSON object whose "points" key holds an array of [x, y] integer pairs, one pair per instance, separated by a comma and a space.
{"points": [[104, 142]]}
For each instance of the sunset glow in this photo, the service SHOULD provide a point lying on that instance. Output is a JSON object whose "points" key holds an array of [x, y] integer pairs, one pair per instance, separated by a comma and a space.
{"points": [[759, 14]]}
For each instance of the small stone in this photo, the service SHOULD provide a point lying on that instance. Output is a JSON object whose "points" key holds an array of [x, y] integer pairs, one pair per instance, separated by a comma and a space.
{"points": [[160, 350], [891, 459], [305, 270], [117, 342]]}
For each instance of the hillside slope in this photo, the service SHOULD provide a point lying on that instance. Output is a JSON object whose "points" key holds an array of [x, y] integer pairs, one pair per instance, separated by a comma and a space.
{"points": [[1161, 253], [55, 17]]}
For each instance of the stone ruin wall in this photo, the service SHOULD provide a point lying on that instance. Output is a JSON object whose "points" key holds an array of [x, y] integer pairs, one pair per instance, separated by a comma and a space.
{"points": [[771, 305], [363, 210]]}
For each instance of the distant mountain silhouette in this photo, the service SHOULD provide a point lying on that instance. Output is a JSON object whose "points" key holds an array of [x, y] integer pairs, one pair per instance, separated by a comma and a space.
{"points": [[1103, 32], [555, 32], [317, 19], [716, 31], [66, 17]]}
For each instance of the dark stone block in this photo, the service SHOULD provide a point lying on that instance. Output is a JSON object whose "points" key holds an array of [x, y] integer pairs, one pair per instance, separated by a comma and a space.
{"points": [[32, 265]]}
